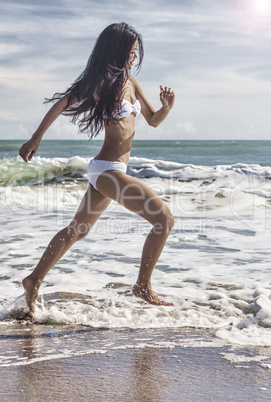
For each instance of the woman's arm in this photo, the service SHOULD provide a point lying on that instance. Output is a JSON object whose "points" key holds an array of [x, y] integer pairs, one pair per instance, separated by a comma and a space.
{"points": [[154, 118], [28, 150]]}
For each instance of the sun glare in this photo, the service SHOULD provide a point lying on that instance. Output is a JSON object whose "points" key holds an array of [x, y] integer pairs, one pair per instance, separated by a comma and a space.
{"points": [[262, 6], [256, 13]]}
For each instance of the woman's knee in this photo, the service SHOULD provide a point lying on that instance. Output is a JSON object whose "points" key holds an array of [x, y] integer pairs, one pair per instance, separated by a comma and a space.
{"points": [[164, 222], [170, 220]]}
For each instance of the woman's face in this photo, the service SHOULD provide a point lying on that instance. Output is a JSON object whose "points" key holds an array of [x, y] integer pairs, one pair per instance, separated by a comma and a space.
{"points": [[133, 56]]}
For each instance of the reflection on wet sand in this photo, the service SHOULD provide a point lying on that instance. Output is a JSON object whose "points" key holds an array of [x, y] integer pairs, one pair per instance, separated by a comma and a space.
{"points": [[57, 363], [147, 377]]}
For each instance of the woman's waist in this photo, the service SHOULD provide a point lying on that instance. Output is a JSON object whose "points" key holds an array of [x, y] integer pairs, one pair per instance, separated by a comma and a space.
{"points": [[114, 152], [112, 158]]}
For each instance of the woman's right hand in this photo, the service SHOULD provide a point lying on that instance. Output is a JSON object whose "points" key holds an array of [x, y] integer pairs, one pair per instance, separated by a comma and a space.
{"points": [[28, 149]]}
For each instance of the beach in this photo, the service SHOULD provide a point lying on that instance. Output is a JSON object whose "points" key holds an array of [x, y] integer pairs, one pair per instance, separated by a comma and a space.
{"points": [[90, 338], [115, 371]]}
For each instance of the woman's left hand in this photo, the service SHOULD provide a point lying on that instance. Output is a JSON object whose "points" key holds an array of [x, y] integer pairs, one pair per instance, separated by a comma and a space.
{"points": [[167, 96]]}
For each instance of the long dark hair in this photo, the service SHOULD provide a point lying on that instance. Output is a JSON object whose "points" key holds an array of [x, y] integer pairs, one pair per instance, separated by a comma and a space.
{"points": [[104, 76]]}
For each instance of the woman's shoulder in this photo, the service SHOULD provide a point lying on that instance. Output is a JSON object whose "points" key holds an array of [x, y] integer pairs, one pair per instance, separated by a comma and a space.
{"points": [[133, 80], [134, 83]]}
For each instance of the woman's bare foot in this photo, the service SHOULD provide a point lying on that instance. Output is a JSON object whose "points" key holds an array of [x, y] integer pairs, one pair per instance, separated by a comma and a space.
{"points": [[147, 294], [31, 293]]}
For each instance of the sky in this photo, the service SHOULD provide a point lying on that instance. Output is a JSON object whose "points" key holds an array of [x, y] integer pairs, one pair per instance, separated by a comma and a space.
{"points": [[215, 54]]}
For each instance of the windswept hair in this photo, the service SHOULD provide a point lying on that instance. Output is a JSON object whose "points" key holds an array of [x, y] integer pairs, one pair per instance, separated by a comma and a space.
{"points": [[103, 78]]}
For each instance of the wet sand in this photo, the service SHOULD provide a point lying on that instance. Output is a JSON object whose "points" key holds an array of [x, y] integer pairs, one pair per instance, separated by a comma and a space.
{"points": [[121, 372]]}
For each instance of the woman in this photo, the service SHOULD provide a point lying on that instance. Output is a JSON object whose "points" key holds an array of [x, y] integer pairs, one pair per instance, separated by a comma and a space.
{"points": [[106, 96]]}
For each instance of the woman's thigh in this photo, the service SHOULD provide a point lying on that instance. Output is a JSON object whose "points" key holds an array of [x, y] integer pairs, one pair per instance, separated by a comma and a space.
{"points": [[90, 209], [133, 194]]}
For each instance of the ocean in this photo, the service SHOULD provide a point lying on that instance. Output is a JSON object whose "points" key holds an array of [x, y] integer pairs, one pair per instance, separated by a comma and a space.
{"points": [[206, 153], [215, 267]]}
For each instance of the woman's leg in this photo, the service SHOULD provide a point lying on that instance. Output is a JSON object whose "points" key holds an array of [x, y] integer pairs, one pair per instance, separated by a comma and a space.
{"points": [[90, 209], [139, 198]]}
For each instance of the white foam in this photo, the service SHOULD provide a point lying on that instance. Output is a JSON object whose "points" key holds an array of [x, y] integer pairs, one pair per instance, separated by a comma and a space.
{"points": [[215, 267], [236, 358], [19, 361]]}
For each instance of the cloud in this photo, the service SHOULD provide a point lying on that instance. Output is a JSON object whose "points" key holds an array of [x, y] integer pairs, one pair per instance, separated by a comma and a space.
{"points": [[63, 129], [8, 116], [217, 63], [187, 128], [22, 131]]}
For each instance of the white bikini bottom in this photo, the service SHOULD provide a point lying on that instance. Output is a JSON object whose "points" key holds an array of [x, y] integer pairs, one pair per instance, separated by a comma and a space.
{"points": [[96, 167]]}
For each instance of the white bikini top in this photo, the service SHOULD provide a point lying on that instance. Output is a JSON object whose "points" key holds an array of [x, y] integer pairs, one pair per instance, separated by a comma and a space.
{"points": [[127, 108]]}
